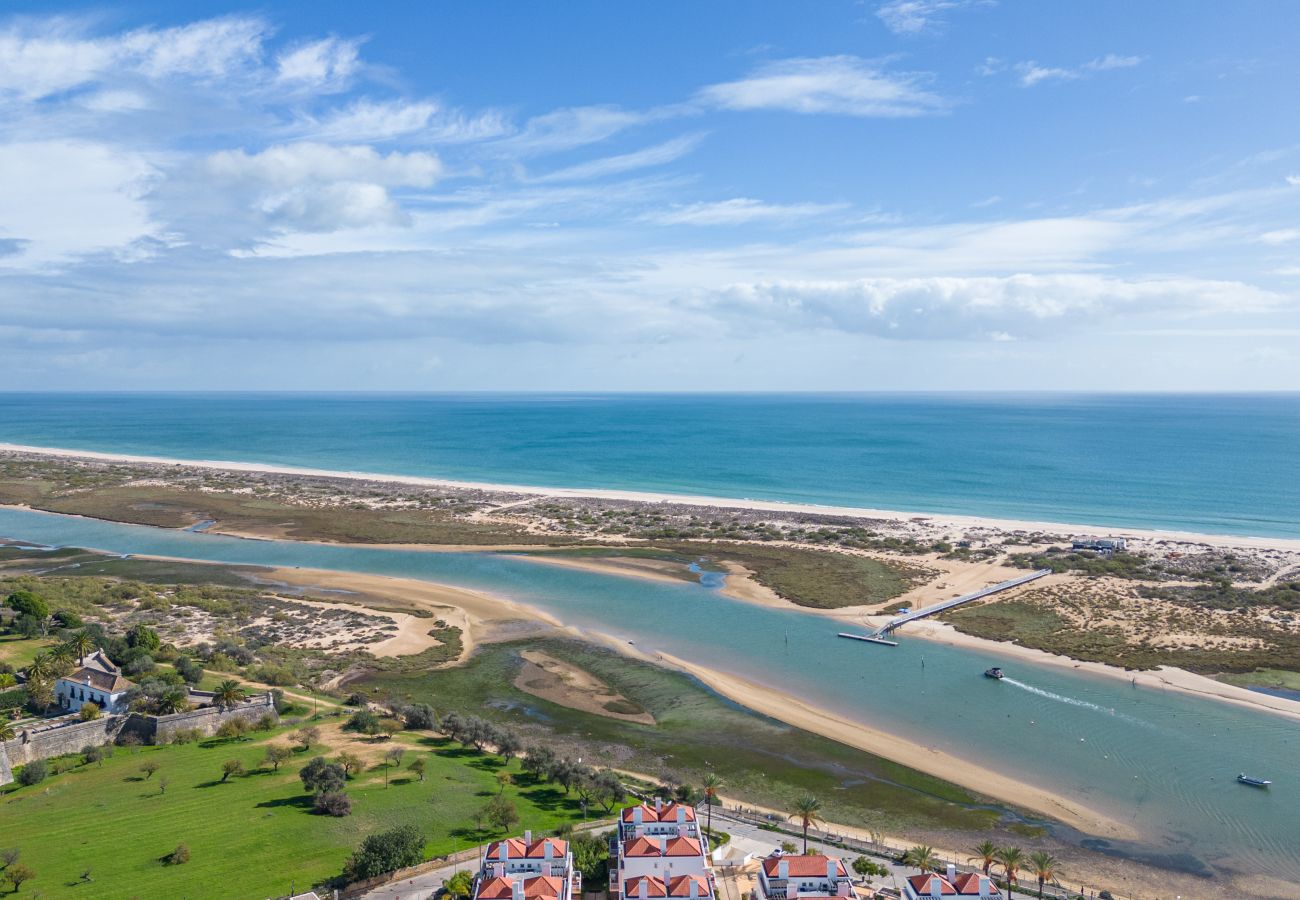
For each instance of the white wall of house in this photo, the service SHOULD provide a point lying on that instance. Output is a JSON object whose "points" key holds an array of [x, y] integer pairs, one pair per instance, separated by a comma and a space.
{"points": [[71, 695]]}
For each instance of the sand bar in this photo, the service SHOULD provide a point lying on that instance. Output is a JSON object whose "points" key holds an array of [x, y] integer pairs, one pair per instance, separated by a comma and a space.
{"points": [[957, 521]]}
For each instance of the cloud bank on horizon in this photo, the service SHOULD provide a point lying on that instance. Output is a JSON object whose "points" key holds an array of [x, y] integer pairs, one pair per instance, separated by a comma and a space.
{"points": [[932, 194]]}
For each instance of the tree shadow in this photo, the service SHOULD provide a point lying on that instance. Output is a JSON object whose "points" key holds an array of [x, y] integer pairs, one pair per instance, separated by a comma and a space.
{"points": [[302, 801], [467, 834]]}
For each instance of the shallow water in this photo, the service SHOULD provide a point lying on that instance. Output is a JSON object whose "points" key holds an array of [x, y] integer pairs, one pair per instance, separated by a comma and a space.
{"points": [[1165, 762]]}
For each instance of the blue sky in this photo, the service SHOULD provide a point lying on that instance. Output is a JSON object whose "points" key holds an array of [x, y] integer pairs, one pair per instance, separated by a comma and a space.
{"points": [[888, 195]]}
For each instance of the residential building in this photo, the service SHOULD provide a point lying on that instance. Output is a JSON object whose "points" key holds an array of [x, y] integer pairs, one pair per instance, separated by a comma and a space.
{"points": [[932, 886], [658, 852], [785, 875], [527, 869], [96, 681]]}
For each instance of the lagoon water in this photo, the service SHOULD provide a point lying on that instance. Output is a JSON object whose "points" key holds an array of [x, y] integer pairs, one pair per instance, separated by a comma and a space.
{"points": [[1210, 463], [1163, 761]]}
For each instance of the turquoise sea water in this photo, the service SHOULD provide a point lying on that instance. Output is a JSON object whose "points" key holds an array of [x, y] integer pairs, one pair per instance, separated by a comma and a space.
{"points": [[1210, 463], [1162, 761]]}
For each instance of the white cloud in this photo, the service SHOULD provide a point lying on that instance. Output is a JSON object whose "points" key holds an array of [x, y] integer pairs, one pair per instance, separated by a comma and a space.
{"points": [[1031, 73], [657, 155], [369, 120], [63, 199], [838, 85], [564, 129], [330, 61], [739, 211], [1293, 180], [310, 186], [981, 308], [914, 16], [56, 55], [294, 164], [1280, 236]]}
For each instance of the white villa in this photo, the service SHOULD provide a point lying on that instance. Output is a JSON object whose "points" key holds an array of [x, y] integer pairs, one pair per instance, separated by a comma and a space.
{"points": [[525, 869], [932, 886], [785, 876], [659, 852], [97, 681]]}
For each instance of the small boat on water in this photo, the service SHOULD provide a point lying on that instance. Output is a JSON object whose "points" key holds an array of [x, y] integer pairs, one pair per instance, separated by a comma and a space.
{"points": [[1253, 782], [994, 672]]}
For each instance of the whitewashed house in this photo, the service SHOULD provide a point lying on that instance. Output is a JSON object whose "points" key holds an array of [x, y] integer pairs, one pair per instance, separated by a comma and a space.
{"points": [[785, 876], [96, 681], [525, 869], [659, 852]]}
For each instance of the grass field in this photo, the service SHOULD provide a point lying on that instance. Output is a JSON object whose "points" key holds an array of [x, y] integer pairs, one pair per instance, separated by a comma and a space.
{"points": [[253, 836], [18, 651], [761, 760]]}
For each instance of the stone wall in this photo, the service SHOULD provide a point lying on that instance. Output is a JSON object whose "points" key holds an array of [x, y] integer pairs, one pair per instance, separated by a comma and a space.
{"points": [[72, 738], [208, 719]]}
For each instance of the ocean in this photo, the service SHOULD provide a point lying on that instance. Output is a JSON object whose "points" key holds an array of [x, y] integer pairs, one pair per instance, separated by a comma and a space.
{"points": [[1224, 464]]}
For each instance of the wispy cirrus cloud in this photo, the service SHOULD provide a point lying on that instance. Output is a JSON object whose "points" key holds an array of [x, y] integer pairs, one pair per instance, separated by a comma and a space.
{"points": [[915, 16], [739, 211], [832, 85], [1032, 73]]}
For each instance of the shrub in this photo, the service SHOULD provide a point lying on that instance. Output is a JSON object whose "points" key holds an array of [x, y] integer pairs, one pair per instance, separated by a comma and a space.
{"points": [[93, 755], [266, 722], [333, 803], [28, 604], [357, 699], [90, 712], [140, 665], [387, 851], [364, 721], [420, 716], [233, 728], [143, 637], [65, 619], [188, 669], [320, 776], [33, 773], [179, 856], [186, 735]]}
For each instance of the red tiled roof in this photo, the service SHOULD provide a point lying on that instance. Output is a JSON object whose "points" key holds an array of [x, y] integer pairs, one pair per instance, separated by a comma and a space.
{"points": [[654, 887], [667, 814], [923, 884], [969, 883], [802, 866], [111, 683], [682, 846], [680, 886], [641, 847], [517, 848], [502, 887]]}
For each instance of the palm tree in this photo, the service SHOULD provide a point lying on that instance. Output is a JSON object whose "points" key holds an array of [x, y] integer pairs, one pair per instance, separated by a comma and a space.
{"points": [[63, 654], [41, 666], [1011, 859], [922, 857], [460, 884], [711, 784], [986, 853], [1044, 866], [805, 810], [229, 694], [81, 644], [174, 700], [7, 732]]}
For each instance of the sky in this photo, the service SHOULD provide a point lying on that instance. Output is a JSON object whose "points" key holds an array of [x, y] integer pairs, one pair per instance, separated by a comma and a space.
{"points": [[831, 195]]}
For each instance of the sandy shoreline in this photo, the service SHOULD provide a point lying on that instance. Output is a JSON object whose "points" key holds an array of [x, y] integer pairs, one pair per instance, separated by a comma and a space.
{"points": [[480, 611], [957, 521], [740, 587]]}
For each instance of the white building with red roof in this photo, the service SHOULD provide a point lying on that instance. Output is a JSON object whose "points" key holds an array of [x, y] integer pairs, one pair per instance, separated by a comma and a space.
{"points": [[659, 851], [933, 886], [784, 875], [96, 681], [525, 869]]}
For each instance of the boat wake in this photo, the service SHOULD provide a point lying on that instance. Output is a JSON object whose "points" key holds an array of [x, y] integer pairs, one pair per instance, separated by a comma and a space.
{"points": [[1073, 701]]}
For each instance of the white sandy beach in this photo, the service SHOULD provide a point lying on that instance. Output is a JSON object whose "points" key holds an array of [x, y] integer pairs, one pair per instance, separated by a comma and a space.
{"points": [[954, 521]]}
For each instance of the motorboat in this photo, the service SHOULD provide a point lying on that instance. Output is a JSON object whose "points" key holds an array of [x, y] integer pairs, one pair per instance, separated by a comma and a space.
{"points": [[994, 672], [1253, 782]]}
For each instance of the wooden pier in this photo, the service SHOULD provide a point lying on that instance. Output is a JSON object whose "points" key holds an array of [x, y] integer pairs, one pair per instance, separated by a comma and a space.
{"points": [[878, 636]]}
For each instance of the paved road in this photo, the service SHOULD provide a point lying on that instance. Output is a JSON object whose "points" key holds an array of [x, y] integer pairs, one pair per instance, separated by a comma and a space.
{"points": [[421, 887]]}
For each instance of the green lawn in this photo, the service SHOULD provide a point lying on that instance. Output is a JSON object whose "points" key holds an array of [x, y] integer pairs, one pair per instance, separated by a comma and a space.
{"points": [[250, 837], [18, 651]]}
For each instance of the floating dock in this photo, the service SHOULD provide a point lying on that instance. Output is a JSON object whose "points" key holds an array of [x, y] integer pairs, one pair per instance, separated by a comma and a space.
{"points": [[878, 636]]}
